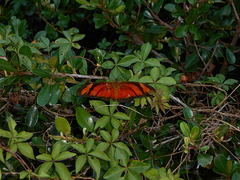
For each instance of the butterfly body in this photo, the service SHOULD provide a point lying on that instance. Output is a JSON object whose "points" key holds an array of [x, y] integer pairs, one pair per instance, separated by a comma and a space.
{"points": [[119, 91]]}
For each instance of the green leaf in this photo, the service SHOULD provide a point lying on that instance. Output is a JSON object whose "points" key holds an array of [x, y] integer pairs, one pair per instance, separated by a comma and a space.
{"points": [[13, 147], [114, 172], [138, 166], [95, 165], [44, 95], [100, 107], [78, 37], [128, 60], [11, 124], [153, 62], [191, 61], [26, 150], [64, 155], [84, 119], [123, 146], [23, 136], [106, 136], [115, 134], [235, 176], [89, 144], [181, 31], [204, 159], [220, 162], [56, 151], [42, 73], [115, 122], [195, 132], [5, 65], [55, 93], [45, 167], [168, 81], [79, 147], [230, 82], [79, 163], [1, 155], [120, 115], [152, 174], [64, 48], [32, 116], [62, 125], [122, 155], [138, 67], [155, 74], [102, 122], [185, 129], [188, 113], [133, 175], [99, 20], [62, 171], [204, 148], [23, 174], [103, 146], [230, 56], [44, 157], [108, 65], [145, 50], [100, 155]]}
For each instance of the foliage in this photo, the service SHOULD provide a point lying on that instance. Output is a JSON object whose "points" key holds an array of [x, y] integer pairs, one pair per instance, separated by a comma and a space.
{"points": [[187, 50]]}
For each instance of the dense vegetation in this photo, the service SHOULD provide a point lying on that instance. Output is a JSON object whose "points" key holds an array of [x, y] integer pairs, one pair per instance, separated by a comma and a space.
{"points": [[188, 50]]}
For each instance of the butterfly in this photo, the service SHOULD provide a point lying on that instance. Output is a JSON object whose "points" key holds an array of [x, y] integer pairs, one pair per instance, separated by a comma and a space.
{"points": [[118, 91]]}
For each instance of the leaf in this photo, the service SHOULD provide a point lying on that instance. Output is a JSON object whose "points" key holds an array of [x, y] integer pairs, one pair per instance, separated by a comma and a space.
{"points": [[102, 122], [100, 107], [95, 165], [152, 174], [195, 132], [62, 171], [115, 134], [11, 124], [188, 113], [44, 157], [64, 155], [23, 136], [89, 144], [42, 73], [106, 136], [168, 81], [45, 167], [230, 56], [13, 148], [120, 115], [236, 176], [128, 60], [108, 65], [185, 129], [220, 162], [100, 155], [123, 156], [5, 65], [84, 119], [44, 95], [1, 155], [79, 147], [204, 159], [62, 125], [145, 50], [133, 175], [123, 146], [155, 74], [80, 162], [181, 31], [56, 151], [32, 116], [55, 92], [138, 166], [26, 150], [114, 172]]}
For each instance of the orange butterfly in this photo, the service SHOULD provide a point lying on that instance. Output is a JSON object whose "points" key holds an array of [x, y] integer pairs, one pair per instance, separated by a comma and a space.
{"points": [[119, 91]]}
